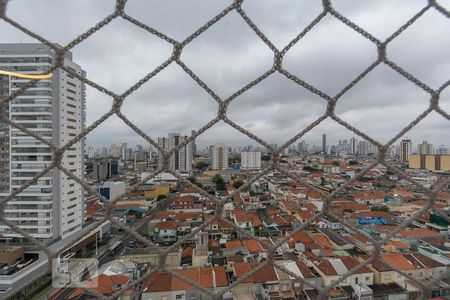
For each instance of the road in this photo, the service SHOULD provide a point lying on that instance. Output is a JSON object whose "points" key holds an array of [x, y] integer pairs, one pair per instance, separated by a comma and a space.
{"points": [[105, 257]]}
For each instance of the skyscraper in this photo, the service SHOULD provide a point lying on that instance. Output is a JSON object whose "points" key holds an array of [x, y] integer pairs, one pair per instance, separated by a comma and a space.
{"points": [[54, 108], [220, 157], [324, 143], [194, 145], [405, 150], [181, 160], [353, 146], [251, 160], [425, 148]]}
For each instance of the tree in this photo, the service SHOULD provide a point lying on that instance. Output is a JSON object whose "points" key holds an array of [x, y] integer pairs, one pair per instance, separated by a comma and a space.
{"points": [[219, 182], [380, 208], [322, 181], [161, 197], [237, 184], [202, 165], [194, 181], [265, 157]]}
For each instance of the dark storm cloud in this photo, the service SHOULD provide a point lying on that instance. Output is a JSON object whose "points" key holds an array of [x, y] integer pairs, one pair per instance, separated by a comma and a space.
{"points": [[230, 55]]}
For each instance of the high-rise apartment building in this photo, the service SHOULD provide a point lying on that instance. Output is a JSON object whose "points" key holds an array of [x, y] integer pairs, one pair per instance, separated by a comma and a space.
{"points": [[353, 146], [405, 150], [181, 160], [425, 148], [251, 160], [324, 143], [220, 157], [53, 108]]}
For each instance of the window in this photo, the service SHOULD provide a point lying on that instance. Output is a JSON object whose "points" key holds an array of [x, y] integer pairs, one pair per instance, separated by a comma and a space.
{"points": [[180, 296], [356, 280]]}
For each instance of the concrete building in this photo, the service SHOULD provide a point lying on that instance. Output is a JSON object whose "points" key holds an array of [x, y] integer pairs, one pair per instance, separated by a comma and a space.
{"points": [[324, 143], [425, 148], [220, 157], [405, 150], [431, 162], [251, 160], [105, 169], [53, 108], [181, 160], [111, 189], [353, 146]]}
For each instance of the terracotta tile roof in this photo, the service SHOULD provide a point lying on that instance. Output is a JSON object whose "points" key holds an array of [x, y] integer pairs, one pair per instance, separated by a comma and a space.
{"points": [[183, 216], [163, 281], [251, 245], [326, 268], [372, 214], [399, 245], [167, 225], [323, 240], [351, 262], [303, 237], [103, 284], [304, 269], [252, 218], [419, 232], [265, 274], [304, 214], [397, 260]]}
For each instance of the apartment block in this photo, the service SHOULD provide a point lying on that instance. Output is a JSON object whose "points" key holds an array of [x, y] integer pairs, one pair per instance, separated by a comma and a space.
{"points": [[181, 160], [53, 108], [251, 160], [220, 157], [433, 162]]}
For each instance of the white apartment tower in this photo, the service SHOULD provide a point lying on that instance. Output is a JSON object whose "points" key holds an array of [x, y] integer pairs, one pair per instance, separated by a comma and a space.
{"points": [[405, 150], [53, 108], [251, 160], [220, 157], [425, 148], [181, 160]]}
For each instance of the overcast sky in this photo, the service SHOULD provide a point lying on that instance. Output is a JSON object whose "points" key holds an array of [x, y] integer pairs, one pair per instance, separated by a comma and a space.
{"points": [[229, 55]]}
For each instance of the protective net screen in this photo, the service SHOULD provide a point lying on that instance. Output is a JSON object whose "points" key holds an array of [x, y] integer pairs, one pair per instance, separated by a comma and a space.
{"points": [[274, 164]]}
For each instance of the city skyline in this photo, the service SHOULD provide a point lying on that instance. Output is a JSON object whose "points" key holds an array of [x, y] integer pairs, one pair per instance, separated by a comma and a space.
{"points": [[275, 108]]}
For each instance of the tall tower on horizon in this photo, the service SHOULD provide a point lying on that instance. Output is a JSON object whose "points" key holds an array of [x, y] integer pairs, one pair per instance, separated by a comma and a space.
{"points": [[53, 108], [220, 157], [181, 160], [405, 150], [324, 143]]}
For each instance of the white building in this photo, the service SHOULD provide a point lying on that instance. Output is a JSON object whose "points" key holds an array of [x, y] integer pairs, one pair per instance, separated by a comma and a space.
{"points": [[220, 157], [112, 189], [53, 108], [425, 148], [181, 160], [405, 150], [251, 160]]}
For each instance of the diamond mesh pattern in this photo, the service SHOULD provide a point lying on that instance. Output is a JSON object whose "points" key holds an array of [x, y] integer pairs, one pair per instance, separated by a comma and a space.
{"points": [[278, 55]]}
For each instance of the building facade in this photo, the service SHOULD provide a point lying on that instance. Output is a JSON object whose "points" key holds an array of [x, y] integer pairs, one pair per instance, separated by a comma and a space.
{"points": [[181, 160], [405, 150], [425, 148], [251, 160], [220, 157], [435, 162], [53, 108]]}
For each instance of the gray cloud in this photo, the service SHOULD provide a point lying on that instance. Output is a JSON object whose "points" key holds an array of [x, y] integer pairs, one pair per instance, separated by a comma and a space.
{"points": [[230, 55]]}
